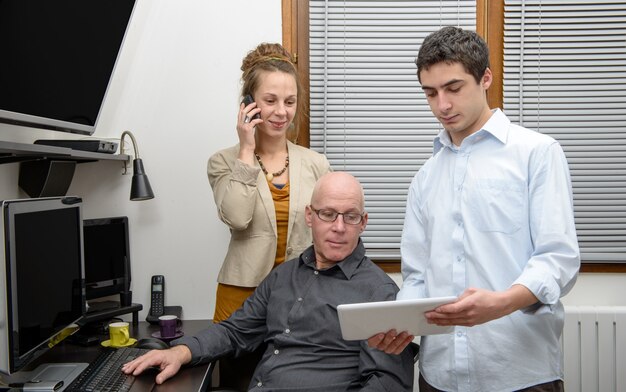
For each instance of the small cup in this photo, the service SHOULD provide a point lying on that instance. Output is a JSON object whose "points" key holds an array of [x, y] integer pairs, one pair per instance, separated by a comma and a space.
{"points": [[119, 334], [168, 324]]}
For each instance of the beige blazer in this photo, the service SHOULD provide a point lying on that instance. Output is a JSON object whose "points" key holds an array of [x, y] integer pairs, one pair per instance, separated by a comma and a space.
{"points": [[244, 202]]}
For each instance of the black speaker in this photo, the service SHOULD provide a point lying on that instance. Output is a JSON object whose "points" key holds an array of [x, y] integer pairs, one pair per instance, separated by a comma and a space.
{"points": [[126, 298], [46, 178]]}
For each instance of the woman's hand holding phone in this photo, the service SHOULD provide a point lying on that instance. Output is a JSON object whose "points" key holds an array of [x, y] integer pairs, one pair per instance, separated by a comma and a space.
{"points": [[247, 100], [246, 125]]}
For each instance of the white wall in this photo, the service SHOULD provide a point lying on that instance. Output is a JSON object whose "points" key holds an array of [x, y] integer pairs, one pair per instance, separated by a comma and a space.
{"points": [[176, 88]]}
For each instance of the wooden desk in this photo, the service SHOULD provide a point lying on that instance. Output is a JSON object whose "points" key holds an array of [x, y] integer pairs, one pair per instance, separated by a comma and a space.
{"points": [[188, 379]]}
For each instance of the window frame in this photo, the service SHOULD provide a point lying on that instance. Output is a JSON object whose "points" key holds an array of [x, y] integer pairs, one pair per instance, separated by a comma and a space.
{"points": [[489, 24]]}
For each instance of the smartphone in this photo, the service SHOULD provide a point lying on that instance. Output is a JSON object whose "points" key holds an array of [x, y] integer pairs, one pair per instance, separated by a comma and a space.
{"points": [[247, 100]]}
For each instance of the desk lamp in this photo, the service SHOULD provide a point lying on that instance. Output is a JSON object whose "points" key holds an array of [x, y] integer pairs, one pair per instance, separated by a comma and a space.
{"points": [[140, 188]]}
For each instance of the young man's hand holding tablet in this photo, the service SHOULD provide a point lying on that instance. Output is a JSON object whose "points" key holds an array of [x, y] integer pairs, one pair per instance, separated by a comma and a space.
{"points": [[361, 321]]}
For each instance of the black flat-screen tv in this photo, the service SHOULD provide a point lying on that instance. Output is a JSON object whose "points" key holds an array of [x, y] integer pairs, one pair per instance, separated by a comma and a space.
{"points": [[57, 60]]}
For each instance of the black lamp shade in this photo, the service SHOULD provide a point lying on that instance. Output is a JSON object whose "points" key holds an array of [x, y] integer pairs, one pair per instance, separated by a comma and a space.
{"points": [[140, 188]]}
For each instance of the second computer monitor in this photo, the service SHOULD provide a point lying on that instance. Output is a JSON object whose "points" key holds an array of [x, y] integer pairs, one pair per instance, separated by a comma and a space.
{"points": [[107, 257]]}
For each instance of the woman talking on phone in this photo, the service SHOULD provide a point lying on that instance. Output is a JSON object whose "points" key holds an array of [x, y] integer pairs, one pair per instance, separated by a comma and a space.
{"points": [[262, 184]]}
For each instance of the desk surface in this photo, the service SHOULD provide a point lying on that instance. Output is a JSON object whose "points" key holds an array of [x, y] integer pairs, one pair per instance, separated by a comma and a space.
{"points": [[188, 379]]}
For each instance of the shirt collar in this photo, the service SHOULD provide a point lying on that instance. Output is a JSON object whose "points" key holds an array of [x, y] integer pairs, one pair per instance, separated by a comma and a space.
{"points": [[497, 126], [348, 265]]}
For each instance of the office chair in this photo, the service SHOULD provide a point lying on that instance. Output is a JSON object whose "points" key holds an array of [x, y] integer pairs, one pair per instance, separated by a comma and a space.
{"points": [[235, 373]]}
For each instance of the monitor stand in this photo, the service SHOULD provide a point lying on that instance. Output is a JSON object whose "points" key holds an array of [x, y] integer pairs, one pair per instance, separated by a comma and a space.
{"points": [[99, 306], [44, 376], [108, 310]]}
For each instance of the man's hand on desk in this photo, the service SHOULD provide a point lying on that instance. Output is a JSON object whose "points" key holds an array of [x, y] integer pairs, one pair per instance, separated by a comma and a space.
{"points": [[167, 361]]}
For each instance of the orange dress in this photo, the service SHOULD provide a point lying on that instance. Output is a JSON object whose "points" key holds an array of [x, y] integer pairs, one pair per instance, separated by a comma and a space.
{"points": [[229, 297]]}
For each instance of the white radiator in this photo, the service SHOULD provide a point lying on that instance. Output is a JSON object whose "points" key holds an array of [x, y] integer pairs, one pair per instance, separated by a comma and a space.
{"points": [[594, 348]]}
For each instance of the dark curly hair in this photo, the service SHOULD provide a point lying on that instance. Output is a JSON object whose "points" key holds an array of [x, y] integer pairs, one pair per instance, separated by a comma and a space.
{"points": [[454, 45]]}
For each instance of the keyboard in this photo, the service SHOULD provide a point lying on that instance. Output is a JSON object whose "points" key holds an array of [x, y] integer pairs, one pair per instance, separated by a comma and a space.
{"points": [[104, 373]]}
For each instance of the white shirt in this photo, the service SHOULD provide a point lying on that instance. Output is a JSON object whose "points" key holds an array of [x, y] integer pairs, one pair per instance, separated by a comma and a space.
{"points": [[494, 212]]}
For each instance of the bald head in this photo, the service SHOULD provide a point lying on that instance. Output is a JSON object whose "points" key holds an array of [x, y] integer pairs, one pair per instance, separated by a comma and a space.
{"points": [[338, 182]]}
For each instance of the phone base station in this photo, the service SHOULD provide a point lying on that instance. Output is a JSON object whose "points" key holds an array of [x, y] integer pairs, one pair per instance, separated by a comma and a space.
{"points": [[174, 310]]}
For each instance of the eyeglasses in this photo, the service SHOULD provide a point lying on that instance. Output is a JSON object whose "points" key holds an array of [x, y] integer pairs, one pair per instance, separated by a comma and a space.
{"points": [[351, 218]]}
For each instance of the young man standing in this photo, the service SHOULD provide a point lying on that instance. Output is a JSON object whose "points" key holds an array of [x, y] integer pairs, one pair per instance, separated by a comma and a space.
{"points": [[489, 219]]}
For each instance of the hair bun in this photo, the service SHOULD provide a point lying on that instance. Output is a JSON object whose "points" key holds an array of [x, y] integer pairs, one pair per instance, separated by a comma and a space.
{"points": [[265, 52]]}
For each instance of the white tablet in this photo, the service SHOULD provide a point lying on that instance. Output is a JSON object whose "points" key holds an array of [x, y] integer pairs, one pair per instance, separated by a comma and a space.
{"points": [[363, 320]]}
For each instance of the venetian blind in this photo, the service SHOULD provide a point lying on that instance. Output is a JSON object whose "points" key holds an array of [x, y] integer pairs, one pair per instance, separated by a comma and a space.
{"points": [[565, 75], [368, 114]]}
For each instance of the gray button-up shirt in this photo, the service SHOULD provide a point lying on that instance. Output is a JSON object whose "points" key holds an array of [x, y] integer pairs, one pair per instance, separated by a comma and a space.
{"points": [[294, 310]]}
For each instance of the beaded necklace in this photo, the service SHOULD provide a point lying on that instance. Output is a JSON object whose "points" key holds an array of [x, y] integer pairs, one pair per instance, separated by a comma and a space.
{"points": [[270, 176]]}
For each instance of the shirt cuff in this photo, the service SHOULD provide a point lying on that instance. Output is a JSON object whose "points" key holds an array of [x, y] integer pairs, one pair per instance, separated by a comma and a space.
{"points": [[545, 289], [193, 346]]}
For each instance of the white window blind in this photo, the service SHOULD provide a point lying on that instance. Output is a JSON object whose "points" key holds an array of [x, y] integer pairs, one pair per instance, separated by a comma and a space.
{"points": [[368, 113], [565, 75]]}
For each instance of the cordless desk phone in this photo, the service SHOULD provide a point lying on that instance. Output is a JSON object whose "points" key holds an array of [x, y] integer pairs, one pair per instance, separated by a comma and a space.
{"points": [[157, 301], [157, 289]]}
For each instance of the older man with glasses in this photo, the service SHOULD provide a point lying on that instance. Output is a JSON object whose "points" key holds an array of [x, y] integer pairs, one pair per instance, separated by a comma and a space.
{"points": [[294, 311]]}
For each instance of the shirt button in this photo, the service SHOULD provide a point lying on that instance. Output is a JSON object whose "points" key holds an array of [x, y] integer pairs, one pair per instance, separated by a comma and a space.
{"points": [[459, 334], [289, 250], [300, 299], [316, 272], [287, 330], [458, 258], [259, 384], [276, 352]]}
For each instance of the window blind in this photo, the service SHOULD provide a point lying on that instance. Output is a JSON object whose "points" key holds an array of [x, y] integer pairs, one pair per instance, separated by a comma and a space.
{"points": [[368, 114], [565, 75]]}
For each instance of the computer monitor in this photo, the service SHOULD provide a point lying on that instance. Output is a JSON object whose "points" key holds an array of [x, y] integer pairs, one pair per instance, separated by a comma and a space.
{"points": [[41, 281], [107, 257]]}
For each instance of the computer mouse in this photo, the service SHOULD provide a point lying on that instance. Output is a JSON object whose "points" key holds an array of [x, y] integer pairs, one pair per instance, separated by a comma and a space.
{"points": [[151, 343]]}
